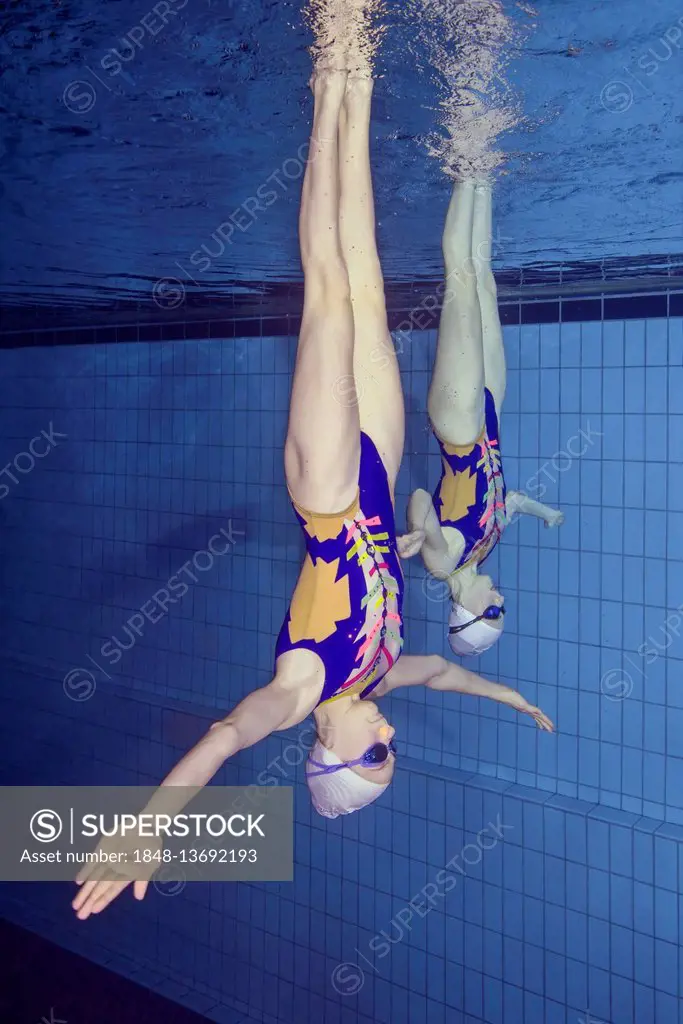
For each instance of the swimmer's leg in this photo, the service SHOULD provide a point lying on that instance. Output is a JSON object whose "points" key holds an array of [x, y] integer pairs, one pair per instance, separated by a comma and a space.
{"points": [[378, 382], [494, 352], [322, 451], [456, 392]]}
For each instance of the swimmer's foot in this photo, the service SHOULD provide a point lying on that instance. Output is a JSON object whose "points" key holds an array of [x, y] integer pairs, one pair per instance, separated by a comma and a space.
{"points": [[328, 81], [361, 72], [359, 86]]}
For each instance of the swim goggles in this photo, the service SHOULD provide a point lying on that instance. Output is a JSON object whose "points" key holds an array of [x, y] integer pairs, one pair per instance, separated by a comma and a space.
{"points": [[493, 612], [374, 757]]}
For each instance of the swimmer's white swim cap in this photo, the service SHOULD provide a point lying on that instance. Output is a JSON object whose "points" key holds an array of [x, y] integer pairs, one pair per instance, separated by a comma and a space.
{"points": [[339, 792], [474, 640]]}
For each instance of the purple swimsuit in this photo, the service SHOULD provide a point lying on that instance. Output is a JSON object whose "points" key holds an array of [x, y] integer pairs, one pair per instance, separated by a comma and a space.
{"points": [[470, 496], [347, 605]]}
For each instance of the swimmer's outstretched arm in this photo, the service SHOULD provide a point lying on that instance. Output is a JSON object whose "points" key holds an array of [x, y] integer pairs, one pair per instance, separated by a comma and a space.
{"points": [[267, 710], [518, 502], [439, 674], [279, 705]]}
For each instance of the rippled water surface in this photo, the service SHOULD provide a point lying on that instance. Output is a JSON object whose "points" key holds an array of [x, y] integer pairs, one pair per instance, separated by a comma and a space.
{"points": [[129, 136]]}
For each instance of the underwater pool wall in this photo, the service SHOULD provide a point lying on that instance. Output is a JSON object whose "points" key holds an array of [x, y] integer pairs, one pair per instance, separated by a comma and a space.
{"points": [[508, 876]]}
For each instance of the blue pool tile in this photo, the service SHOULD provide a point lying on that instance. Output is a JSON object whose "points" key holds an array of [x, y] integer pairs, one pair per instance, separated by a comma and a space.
{"points": [[613, 343], [577, 985], [622, 999], [656, 379], [633, 439], [591, 344], [674, 520], [674, 739], [654, 765], [667, 1008], [656, 342], [634, 343], [570, 392], [633, 724], [598, 992], [634, 392], [550, 344], [530, 346], [675, 325], [549, 394], [675, 390], [598, 894], [674, 782], [577, 936], [675, 438], [643, 908], [656, 485], [577, 887], [665, 862], [666, 915], [613, 391], [657, 437], [666, 967], [644, 1008], [598, 944], [612, 531], [621, 950], [591, 392], [570, 344], [534, 922]]}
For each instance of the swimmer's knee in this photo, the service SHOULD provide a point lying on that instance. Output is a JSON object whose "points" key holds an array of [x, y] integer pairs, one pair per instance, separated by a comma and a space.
{"points": [[461, 268], [486, 282], [456, 420], [326, 281], [319, 497], [316, 482], [294, 460]]}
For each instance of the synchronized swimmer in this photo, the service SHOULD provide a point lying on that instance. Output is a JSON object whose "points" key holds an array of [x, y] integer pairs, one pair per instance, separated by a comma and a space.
{"points": [[341, 644], [458, 526]]}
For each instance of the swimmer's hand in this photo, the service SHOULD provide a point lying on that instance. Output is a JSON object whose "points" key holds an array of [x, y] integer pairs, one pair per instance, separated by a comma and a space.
{"points": [[554, 517], [130, 858], [409, 544], [515, 700]]}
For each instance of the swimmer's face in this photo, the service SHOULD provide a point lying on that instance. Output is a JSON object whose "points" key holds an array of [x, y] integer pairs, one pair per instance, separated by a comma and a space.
{"points": [[480, 595], [359, 728]]}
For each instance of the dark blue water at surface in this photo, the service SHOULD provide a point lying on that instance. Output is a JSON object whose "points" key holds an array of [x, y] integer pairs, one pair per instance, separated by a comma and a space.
{"points": [[118, 168]]}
